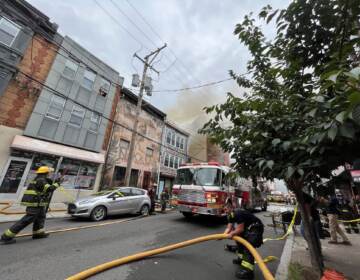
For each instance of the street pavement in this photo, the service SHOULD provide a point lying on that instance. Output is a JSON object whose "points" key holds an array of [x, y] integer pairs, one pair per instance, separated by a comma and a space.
{"points": [[67, 253]]}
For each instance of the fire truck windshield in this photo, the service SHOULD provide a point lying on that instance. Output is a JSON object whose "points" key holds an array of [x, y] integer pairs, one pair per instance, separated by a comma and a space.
{"points": [[198, 176]]}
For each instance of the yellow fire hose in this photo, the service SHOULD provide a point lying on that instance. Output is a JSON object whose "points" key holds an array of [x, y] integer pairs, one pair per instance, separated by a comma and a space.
{"points": [[8, 205], [102, 267]]}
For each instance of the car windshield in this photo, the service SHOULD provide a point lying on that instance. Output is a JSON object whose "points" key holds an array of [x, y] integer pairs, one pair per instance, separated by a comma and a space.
{"points": [[198, 176], [102, 193]]}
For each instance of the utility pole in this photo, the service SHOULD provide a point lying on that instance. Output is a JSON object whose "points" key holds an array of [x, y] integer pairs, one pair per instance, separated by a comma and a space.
{"points": [[148, 60]]}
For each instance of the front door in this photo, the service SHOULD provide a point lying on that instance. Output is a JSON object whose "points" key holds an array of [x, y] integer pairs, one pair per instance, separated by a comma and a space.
{"points": [[13, 177]]}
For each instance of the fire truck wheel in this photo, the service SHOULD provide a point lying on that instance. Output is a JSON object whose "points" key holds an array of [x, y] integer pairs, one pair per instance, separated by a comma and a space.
{"points": [[187, 214]]}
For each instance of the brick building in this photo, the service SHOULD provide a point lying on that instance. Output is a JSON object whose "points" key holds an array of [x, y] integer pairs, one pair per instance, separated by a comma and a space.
{"points": [[23, 49], [146, 160]]}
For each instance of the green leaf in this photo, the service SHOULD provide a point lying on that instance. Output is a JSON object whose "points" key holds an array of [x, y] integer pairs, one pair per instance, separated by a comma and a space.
{"points": [[313, 149], [340, 117], [289, 172], [300, 171], [286, 145], [312, 112], [333, 77], [347, 131], [270, 164], [275, 142], [332, 132], [270, 17], [261, 162], [354, 98], [319, 99]]}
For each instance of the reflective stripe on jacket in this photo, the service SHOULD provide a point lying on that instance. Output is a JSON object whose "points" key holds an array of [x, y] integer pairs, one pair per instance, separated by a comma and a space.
{"points": [[37, 193]]}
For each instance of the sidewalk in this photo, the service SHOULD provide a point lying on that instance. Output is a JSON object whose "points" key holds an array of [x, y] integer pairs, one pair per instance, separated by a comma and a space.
{"points": [[342, 258], [53, 206]]}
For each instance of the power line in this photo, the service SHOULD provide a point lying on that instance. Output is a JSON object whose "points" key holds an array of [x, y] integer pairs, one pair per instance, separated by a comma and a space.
{"points": [[57, 93]]}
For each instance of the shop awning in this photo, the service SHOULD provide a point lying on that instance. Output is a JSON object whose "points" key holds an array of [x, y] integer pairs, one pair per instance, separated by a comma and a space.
{"points": [[40, 146]]}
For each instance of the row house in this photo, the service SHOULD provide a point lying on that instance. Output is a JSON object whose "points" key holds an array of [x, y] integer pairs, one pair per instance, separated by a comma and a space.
{"points": [[173, 154], [63, 124], [145, 166], [28, 46]]}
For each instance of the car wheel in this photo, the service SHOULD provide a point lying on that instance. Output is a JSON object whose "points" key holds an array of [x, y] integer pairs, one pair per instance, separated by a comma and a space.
{"points": [[144, 211], [98, 214], [187, 214]]}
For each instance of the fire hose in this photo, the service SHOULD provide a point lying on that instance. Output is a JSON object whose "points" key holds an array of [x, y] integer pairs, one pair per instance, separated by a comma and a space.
{"points": [[124, 260]]}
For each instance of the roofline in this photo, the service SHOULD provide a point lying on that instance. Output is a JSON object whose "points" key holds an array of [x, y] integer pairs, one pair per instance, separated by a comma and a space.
{"points": [[146, 106], [175, 126]]}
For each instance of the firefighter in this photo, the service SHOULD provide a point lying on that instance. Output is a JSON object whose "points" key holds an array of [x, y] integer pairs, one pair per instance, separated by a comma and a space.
{"points": [[164, 198], [347, 214], [248, 226], [36, 199]]}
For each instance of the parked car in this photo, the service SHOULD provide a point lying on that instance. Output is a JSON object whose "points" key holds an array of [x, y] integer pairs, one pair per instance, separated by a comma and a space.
{"points": [[124, 200]]}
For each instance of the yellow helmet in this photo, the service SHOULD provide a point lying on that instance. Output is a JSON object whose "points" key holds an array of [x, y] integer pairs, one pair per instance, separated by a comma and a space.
{"points": [[44, 169]]}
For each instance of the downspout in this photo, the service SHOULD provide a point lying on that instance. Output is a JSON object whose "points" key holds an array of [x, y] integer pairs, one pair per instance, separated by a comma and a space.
{"points": [[160, 152]]}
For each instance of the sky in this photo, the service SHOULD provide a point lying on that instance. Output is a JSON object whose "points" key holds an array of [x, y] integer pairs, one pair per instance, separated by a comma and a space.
{"points": [[201, 46], [199, 34]]}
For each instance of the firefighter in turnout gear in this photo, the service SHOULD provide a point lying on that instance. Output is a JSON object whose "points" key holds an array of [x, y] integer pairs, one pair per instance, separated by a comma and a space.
{"points": [[246, 225], [36, 199]]}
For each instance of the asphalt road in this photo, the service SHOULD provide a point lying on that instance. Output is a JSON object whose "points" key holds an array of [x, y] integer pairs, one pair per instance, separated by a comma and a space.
{"points": [[64, 254]]}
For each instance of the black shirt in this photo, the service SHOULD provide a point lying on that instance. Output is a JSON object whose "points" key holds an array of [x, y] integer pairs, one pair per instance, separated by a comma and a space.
{"points": [[242, 217]]}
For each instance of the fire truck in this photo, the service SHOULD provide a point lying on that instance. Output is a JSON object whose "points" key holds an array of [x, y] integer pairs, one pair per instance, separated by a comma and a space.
{"points": [[202, 188]]}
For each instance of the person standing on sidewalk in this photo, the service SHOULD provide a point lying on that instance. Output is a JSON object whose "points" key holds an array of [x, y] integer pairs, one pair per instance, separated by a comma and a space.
{"points": [[332, 214], [164, 198], [36, 199]]}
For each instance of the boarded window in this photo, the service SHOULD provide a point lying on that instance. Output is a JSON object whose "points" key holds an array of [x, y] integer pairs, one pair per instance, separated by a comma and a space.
{"points": [[104, 87], [90, 140], [124, 146], [71, 135], [94, 122], [64, 85], [48, 128]]}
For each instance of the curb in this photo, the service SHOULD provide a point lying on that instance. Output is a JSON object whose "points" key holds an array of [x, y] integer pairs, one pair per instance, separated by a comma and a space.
{"points": [[283, 268]]}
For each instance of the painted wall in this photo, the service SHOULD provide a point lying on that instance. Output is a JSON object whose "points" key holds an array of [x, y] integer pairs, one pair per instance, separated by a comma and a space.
{"points": [[150, 126]]}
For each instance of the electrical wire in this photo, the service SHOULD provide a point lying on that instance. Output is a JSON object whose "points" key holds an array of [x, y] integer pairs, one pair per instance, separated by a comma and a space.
{"points": [[57, 93]]}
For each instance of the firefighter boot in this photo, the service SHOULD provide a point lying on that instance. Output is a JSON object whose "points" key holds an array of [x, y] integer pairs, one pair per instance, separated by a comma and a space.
{"points": [[7, 240], [245, 274], [231, 248], [40, 235]]}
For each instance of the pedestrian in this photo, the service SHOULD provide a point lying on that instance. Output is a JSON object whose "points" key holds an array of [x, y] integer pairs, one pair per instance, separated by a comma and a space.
{"points": [[152, 194], [164, 198], [347, 214], [332, 211], [248, 226], [36, 199]]}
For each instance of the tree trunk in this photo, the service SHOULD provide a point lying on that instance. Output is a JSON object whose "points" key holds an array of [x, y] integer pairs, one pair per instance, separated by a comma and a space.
{"points": [[310, 235]]}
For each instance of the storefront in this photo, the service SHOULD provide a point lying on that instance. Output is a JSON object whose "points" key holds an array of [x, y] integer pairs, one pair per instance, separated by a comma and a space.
{"points": [[81, 170]]}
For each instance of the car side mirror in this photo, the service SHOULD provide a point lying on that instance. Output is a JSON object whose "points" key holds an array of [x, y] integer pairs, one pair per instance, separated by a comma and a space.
{"points": [[114, 198]]}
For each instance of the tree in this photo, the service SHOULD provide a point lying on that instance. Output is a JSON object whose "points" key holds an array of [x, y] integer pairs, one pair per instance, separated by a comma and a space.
{"points": [[296, 120]]}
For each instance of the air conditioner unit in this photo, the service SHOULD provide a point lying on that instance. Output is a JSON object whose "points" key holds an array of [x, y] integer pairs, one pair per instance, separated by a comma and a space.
{"points": [[147, 83]]}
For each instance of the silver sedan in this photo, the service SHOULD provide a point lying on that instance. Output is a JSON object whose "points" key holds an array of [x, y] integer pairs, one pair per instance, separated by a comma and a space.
{"points": [[125, 200]]}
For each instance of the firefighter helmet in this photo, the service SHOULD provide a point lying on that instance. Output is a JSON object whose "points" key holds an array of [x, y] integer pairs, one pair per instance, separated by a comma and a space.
{"points": [[44, 169]]}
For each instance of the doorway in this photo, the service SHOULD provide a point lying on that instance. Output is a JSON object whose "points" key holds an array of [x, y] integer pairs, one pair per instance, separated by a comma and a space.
{"points": [[13, 177]]}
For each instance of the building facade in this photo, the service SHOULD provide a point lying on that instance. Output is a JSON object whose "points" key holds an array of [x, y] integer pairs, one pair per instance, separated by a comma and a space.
{"points": [[146, 162], [174, 152], [28, 46]]}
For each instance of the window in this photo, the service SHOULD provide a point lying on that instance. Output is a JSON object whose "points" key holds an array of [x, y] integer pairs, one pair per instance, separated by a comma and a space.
{"points": [[8, 31], [126, 191], [176, 162], [166, 161], [137, 192], [177, 142], [86, 176], [171, 165], [89, 79], [124, 146], [149, 152], [77, 116], [56, 107], [70, 69], [104, 87], [182, 142], [94, 121], [168, 137], [173, 139]]}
